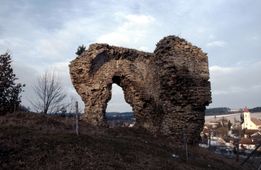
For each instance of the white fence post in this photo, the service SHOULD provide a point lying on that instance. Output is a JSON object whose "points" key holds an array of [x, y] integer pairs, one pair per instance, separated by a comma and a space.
{"points": [[77, 118]]}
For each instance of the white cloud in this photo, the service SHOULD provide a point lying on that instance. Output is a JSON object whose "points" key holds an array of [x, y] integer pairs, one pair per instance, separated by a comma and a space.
{"points": [[236, 86], [254, 38], [216, 43], [134, 20], [62, 43], [211, 36], [222, 70], [132, 32]]}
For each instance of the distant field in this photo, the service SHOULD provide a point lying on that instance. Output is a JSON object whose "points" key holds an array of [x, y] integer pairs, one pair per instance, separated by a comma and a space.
{"points": [[231, 117]]}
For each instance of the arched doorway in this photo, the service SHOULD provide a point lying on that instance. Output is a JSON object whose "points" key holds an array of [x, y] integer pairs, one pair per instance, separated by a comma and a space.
{"points": [[118, 112]]}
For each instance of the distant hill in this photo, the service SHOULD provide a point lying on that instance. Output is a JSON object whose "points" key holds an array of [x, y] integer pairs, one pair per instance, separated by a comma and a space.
{"points": [[255, 109], [119, 115], [217, 111], [226, 110], [36, 141]]}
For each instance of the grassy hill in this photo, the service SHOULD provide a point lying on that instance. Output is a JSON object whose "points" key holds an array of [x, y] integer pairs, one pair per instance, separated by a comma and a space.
{"points": [[34, 141]]}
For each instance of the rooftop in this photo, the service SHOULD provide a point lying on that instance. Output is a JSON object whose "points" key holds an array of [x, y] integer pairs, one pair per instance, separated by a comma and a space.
{"points": [[256, 121]]}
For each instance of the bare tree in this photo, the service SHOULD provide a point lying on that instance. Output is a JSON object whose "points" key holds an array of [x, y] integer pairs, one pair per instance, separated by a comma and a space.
{"points": [[49, 93]]}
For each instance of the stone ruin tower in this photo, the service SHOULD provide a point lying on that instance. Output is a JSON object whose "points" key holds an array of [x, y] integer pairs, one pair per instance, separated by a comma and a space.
{"points": [[168, 89]]}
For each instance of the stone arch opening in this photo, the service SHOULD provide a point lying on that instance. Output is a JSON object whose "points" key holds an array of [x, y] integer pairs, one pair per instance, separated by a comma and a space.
{"points": [[118, 112], [130, 93]]}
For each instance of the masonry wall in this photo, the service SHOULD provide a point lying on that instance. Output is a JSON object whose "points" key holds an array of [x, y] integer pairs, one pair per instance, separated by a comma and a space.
{"points": [[168, 89]]}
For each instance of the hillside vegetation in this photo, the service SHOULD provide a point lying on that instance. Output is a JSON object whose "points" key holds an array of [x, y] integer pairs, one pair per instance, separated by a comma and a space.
{"points": [[34, 141]]}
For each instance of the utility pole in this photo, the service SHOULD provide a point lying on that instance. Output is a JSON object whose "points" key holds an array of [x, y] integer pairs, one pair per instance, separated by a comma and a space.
{"points": [[77, 118]]}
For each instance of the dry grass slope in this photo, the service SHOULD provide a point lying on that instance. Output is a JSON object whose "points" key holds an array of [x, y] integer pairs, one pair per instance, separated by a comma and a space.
{"points": [[34, 141]]}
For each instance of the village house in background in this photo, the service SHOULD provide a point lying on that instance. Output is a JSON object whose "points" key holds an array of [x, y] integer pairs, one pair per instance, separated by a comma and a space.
{"points": [[252, 131], [249, 122], [231, 133]]}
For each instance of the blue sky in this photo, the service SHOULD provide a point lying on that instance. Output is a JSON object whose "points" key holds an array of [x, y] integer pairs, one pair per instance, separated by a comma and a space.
{"points": [[44, 35]]}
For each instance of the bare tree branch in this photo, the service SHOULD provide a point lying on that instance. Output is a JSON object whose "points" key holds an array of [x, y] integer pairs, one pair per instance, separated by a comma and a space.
{"points": [[50, 94]]}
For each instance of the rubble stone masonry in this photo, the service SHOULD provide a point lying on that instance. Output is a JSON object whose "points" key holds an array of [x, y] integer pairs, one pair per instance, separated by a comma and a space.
{"points": [[168, 89]]}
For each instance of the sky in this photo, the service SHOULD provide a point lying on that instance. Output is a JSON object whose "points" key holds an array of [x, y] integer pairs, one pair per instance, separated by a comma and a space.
{"points": [[44, 35]]}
